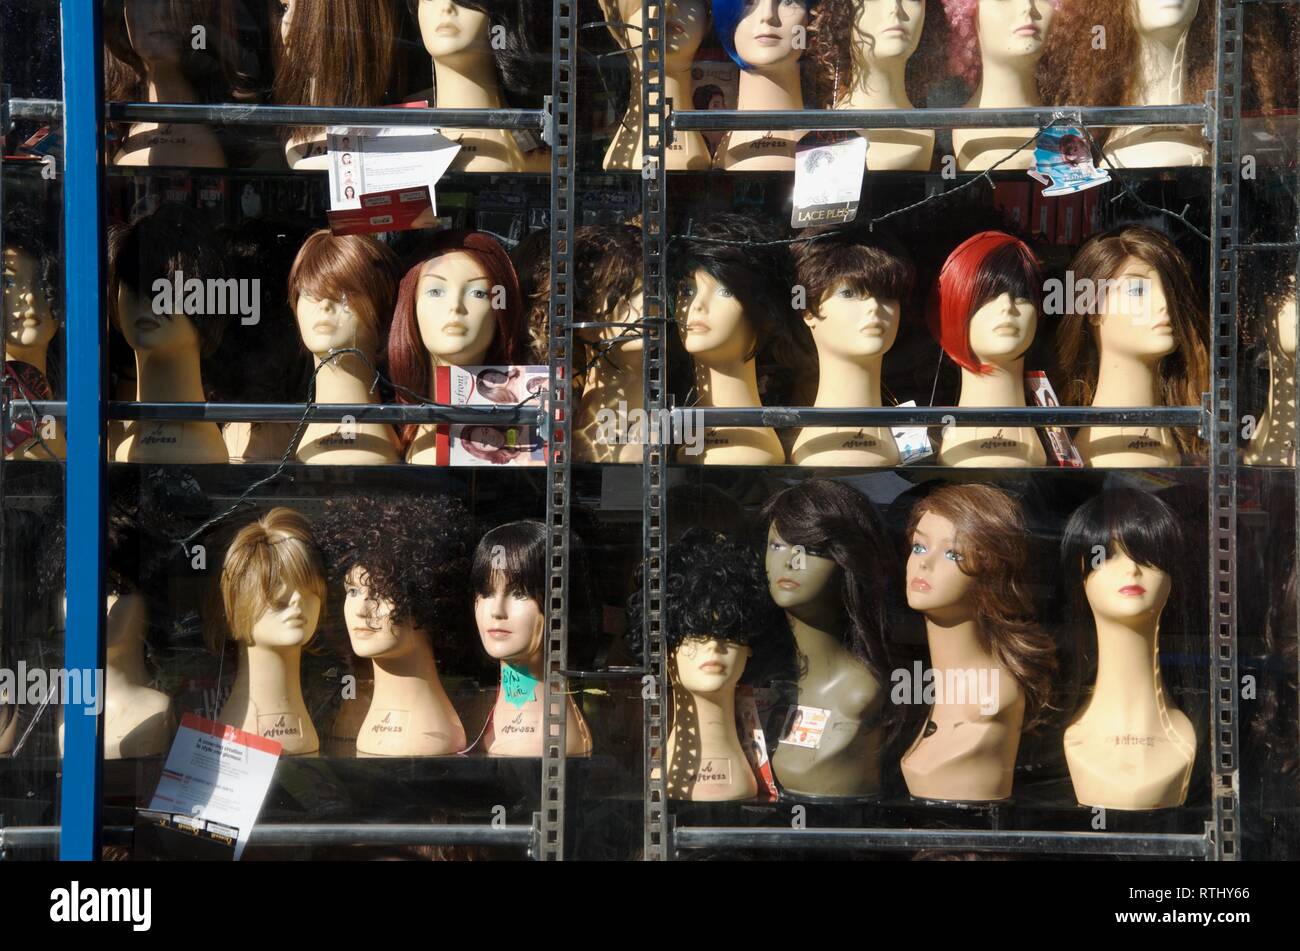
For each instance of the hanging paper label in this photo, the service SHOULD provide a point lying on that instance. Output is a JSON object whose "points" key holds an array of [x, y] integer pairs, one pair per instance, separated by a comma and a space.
{"points": [[518, 686], [366, 162], [828, 182], [754, 740], [1063, 162], [913, 441], [806, 726]]}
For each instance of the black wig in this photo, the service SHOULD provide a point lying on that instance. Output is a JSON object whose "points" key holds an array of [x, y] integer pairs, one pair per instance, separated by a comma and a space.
{"points": [[31, 233]]}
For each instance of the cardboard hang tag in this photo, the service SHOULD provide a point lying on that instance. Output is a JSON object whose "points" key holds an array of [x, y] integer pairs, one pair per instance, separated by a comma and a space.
{"points": [[828, 181], [1063, 162]]}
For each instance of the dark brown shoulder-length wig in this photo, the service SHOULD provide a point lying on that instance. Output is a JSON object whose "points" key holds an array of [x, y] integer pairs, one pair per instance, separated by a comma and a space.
{"points": [[124, 70], [356, 268], [1184, 373], [990, 526], [869, 263]]}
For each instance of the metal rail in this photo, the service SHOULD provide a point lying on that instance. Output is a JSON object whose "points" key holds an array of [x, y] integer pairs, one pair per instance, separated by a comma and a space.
{"points": [[847, 120], [289, 834]]}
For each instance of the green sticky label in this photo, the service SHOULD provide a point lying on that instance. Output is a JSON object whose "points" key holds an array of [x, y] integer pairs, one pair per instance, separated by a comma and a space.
{"points": [[518, 685]]}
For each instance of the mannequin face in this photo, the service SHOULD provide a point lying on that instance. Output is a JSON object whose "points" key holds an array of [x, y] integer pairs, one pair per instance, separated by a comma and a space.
{"points": [[1121, 589], [1286, 322], [509, 623], [1134, 319], [127, 614], [1156, 16], [327, 325], [1003, 329], [28, 320], [888, 29], [450, 29], [289, 620], [284, 10], [370, 618], [454, 309], [627, 311], [687, 22], [849, 324], [935, 581], [711, 318], [705, 664], [1013, 29], [765, 34], [796, 574], [153, 32], [147, 332]]}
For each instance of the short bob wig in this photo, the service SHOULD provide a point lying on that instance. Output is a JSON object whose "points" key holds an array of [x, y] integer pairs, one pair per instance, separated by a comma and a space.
{"points": [[353, 268], [981, 269], [870, 264], [277, 550], [727, 15]]}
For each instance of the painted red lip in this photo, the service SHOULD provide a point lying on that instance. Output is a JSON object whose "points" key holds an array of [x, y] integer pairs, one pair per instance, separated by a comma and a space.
{"points": [[1132, 590], [787, 584], [1029, 31], [919, 584], [712, 667]]}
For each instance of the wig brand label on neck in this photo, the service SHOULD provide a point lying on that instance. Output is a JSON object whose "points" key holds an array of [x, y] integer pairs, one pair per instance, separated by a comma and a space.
{"points": [[387, 722], [280, 726], [806, 726], [518, 685], [714, 771]]}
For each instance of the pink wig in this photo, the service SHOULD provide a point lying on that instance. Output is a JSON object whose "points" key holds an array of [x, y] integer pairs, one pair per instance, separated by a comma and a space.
{"points": [[964, 42]]}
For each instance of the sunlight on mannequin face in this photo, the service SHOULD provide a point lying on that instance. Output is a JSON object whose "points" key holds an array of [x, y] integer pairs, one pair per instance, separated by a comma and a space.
{"points": [[935, 582], [796, 574], [454, 309]]}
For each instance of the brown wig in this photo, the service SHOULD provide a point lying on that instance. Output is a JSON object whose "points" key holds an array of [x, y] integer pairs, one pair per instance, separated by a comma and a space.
{"points": [[355, 268], [408, 360], [868, 263], [124, 71], [1275, 725], [1184, 374], [990, 527], [1074, 72], [340, 53], [520, 47]]}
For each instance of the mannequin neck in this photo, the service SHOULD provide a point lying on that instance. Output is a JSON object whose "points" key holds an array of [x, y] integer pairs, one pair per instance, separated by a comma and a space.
{"points": [[879, 84], [677, 86], [955, 645], [843, 381], [1277, 427], [35, 356], [775, 87], [1129, 685], [407, 681], [618, 379], [817, 630], [125, 665], [714, 717], [167, 83], [469, 82], [729, 383], [270, 678], [1002, 386], [435, 361], [1162, 68], [1124, 380], [532, 664], [172, 376], [344, 379], [1007, 84]]}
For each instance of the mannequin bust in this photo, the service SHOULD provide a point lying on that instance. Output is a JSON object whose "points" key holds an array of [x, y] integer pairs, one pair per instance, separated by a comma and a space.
{"points": [[984, 312], [731, 305], [856, 284], [766, 39], [1143, 346], [343, 53], [1274, 440], [31, 281], [471, 71], [864, 53], [687, 21], [825, 548], [342, 290], [509, 578], [150, 57], [401, 562], [460, 306], [995, 48], [715, 610], [169, 346], [966, 575], [1129, 747], [272, 592]]}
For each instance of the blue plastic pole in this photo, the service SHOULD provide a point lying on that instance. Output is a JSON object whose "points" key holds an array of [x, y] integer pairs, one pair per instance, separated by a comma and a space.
{"points": [[84, 295]]}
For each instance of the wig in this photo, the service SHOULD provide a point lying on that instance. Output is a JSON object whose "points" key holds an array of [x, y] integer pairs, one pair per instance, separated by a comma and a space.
{"points": [[981, 269], [964, 58], [1076, 72], [124, 70], [160, 246], [990, 528], [1184, 373], [727, 15], [868, 263], [31, 234], [354, 268], [843, 524], [521, 50], [414, 550], [836, 62], [1275, 725], [273, 553]]}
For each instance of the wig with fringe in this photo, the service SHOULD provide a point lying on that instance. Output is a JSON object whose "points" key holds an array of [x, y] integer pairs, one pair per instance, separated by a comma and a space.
{"points": [[727, 15]]}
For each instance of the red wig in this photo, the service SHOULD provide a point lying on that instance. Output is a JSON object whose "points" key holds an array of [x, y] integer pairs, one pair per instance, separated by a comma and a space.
{"points": [[982, 268], [408, 361]]}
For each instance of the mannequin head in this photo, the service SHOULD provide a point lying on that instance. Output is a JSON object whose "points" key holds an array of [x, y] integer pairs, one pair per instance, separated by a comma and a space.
{"points": [[825, 540], [459, 34], [32, 275], [687, 22], [1009, 33], [508, 577], [763, 34], [984, 309], [157, 247], [1152, 312], [856, 286], [147, 38], [399, 562], [856, 39], [607, 289], [273, 582], [342, 290], [969, 560]]}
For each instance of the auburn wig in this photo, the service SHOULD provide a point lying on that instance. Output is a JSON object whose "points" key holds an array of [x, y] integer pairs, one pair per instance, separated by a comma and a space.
{"points": [[727, 15], [355, 268], [990, 527], [964, 58], [836, 53], [1183, 374], [981, 269], [273, 553]]}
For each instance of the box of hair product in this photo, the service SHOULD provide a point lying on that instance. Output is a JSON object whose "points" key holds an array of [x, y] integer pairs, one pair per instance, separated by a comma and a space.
{"points": [[496, 389]]}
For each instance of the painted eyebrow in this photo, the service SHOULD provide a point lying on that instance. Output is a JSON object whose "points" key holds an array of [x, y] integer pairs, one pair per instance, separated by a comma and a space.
{"points": [[439, 277]]}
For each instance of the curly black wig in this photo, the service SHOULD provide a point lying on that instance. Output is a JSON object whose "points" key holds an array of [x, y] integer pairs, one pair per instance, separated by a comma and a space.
{"points": [[416, 550]]}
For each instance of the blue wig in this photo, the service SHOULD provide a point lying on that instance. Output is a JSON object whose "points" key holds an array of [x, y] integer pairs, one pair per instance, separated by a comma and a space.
{"points": [[727, 15]]}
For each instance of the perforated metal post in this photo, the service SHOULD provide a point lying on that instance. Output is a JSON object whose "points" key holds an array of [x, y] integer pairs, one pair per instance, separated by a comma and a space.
{"points": [[1223, 437], [558, 465], [654, 523]]}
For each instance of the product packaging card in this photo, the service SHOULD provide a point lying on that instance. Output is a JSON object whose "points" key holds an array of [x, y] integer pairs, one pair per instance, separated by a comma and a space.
{"points": [[913, 441], [370, 161], [754, 740], [1063, 162], [828, 181], [164, 837], [806, 726], [1057, 440], [217, 773], [481, 444], [399, 210]]}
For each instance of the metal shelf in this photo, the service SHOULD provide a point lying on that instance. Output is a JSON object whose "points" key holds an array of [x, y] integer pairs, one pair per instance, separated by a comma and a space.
{"points": [[848, 120], [309, 834], [785, 417]]}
